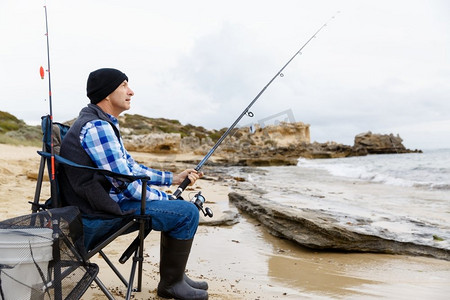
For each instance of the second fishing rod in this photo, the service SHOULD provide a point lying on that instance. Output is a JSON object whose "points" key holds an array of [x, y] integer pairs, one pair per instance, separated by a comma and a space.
{"points": [[199, 199]]}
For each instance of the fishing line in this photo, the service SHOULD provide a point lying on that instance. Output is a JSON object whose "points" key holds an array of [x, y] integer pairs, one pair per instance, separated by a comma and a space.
{"points": [[246, 111]]}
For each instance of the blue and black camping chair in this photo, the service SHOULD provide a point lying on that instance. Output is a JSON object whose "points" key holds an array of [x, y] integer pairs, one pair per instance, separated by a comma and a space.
{"points": [[98, 232]]}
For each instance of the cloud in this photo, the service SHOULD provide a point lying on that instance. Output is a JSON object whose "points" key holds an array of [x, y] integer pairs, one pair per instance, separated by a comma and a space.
{"points": [[379, 65], [428, 134]]}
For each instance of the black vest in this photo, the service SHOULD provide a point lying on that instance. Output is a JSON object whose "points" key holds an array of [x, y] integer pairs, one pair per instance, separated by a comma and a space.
{"points": [[88, 190]]}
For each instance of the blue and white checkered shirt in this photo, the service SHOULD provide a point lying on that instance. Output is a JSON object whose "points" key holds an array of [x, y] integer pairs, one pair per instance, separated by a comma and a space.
{"points": [[101, 144]]}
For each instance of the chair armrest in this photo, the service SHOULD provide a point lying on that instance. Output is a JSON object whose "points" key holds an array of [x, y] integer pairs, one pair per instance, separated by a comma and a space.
{"points": [[118, 176]]}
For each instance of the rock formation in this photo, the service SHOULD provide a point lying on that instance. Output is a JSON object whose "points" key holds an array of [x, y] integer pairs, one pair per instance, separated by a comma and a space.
{"points": [[153, 142], [380, 143], [280, 144], [271, 145], [317, 229]]}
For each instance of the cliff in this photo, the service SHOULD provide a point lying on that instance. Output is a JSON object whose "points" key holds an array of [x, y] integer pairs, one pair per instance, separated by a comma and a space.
{"points": [[280, 144]]}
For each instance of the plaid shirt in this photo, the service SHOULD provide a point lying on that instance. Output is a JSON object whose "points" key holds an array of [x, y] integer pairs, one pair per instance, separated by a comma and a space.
{"points": [[100, 142]]}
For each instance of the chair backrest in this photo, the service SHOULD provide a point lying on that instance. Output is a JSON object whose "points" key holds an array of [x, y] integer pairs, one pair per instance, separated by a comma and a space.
{"points": [[58, 132]]}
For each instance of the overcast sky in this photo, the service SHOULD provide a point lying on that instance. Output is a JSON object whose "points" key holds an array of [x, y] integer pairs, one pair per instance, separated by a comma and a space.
{"points": [[379, 65]]}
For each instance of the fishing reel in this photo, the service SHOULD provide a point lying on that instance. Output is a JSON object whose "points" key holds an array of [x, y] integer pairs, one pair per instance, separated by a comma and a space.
{"points": [[199, 200]]}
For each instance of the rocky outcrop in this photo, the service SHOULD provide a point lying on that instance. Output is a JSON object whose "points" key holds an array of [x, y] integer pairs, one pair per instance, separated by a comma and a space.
{"points": [[271, 145], [268, 146], [153, 142], [263, 150], [317, 229], [380, 143], [328, 150]]}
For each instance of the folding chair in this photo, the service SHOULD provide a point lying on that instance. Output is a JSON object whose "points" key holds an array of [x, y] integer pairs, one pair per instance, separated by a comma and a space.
{"points": [[111, 227]]}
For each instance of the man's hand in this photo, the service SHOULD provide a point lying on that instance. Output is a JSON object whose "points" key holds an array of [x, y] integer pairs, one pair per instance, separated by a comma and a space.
{"points": [[192, 174]]}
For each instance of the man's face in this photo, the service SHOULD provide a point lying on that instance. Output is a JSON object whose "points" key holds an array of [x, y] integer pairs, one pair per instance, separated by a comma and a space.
{"points": [[120, 99]]}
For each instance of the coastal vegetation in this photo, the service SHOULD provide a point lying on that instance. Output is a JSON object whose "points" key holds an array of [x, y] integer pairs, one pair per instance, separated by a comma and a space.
{"points": [[138, 125], [16, 132]]}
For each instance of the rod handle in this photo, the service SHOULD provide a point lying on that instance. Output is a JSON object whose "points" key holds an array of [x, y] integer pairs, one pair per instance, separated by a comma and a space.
{"points": [[181, 187]]}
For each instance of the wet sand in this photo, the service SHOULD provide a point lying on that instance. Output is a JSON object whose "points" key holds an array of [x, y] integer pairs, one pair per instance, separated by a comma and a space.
{"points": [[244, 261]]}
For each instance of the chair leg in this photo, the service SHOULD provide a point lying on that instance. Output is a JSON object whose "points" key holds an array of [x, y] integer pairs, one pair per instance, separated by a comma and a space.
{"points": [[142, 236], [136, 260], [111, 265], [132, 248], [103, 288], [37, 193]]}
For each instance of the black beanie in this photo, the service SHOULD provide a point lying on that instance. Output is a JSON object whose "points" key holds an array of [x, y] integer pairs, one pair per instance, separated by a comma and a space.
{"points": [[103, 82]]}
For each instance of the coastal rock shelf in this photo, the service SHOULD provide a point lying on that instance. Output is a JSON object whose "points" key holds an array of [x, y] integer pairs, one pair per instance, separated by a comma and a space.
{"points": [[319, 229]]}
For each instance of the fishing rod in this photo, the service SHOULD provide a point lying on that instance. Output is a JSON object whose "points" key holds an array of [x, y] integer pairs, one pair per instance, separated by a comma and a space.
{"points": [[52, 150], [200, 200]]}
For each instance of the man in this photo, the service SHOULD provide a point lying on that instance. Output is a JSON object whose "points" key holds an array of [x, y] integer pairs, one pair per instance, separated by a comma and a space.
{"points": [[94, 139]]}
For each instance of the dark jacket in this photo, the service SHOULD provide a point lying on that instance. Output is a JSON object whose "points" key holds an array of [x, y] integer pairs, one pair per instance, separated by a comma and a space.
{"points": [[87, 190]]}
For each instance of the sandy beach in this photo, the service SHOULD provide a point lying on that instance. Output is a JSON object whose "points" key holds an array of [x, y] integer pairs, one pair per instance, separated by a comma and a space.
{"points": [[243, 261]]}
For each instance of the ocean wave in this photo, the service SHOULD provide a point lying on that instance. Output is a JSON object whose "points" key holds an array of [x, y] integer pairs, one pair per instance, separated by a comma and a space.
{"points": [[424, 171]]}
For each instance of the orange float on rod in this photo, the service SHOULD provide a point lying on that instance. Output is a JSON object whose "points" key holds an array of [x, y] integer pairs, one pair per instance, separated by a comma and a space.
{"points": [[41, 71]]}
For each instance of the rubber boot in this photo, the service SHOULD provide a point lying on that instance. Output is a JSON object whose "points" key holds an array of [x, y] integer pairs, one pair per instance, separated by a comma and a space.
{"points": [[174, 256], [202, 285]]}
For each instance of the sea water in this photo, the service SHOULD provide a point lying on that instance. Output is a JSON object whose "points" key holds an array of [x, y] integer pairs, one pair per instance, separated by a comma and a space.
{"points": [[406, 195], [428, 170]]}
